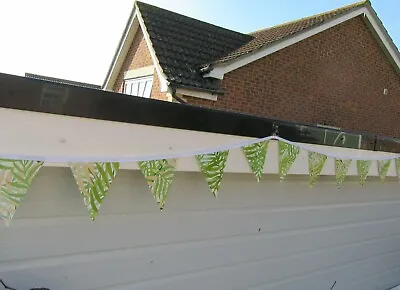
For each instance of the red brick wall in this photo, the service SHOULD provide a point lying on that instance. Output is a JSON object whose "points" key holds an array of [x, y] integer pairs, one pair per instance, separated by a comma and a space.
{"points": [[334, 78], [139, 56]]}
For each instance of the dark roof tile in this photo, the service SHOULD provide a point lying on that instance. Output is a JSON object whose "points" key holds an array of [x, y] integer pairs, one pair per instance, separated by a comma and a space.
{"points": [[183, 44], [270, 35]]}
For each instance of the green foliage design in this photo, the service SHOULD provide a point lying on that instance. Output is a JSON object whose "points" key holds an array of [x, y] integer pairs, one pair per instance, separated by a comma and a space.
{"points": [[255, 155], [342, 167], [363, 167], [213, 165], [287, 156], [94, 180], [158, 174], [316, 162], [398, 167], [383, 166], [15, 176]]}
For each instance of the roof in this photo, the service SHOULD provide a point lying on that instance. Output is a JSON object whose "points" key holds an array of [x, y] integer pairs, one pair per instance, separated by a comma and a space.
{"points": [[270, 35], [62, 81], [189, 51], [182, 44]]}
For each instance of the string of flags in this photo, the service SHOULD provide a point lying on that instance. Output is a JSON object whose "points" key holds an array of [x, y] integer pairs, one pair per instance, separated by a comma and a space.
{"points": [[94, 179]]}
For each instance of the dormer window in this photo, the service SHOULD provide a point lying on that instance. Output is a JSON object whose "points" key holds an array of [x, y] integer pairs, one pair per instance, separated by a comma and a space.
{"points": [[138, 82], [140, 87]]}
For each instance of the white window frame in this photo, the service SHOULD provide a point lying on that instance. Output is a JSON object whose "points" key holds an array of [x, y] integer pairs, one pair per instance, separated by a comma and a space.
{"points": [[136, 83]]}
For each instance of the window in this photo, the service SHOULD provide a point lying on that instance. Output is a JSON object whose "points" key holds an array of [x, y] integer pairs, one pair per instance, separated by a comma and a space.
{"points": [[140, 87]]}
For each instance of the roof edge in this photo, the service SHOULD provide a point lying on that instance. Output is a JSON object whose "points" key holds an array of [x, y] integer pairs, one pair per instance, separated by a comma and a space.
{"points": [[219, 69], [121, 44]]}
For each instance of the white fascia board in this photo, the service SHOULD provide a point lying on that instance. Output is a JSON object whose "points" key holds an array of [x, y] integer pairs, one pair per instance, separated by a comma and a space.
{"points": [[221, 69], [121, 53], [383, 35], [197, 94], [161, 76]]}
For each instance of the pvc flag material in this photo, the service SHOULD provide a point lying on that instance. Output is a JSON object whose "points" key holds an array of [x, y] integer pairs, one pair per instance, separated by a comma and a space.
{"points": [[383, 166], [287, 156], [363, 167], [316, 162], [256, 154], [158, 174], [341, 169], [213, 166], [94, 180], [15, 179]]}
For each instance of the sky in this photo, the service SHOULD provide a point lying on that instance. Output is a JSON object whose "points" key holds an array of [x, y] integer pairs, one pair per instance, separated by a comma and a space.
{"points": [[76, 39]]}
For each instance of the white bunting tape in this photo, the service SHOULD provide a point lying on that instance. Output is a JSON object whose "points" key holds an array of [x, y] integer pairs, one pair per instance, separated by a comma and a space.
{"points": [[325, 150]]}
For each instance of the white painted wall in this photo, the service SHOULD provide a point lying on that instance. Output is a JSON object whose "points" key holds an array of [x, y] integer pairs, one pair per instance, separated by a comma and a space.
{"points": [[266, 235]]}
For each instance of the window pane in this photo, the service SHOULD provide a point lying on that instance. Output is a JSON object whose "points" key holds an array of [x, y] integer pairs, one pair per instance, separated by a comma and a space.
{"points": [[140, 87], [134, 91], [147, 91]]}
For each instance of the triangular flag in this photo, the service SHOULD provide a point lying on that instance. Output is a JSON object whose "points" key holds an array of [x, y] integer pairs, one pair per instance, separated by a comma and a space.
{"points": [[316, 162], [15, 178], [398, 167], [342, 167], [287, 156], [255, 155], [158, 174], [213, 165], [363, 169], [94, 180], [383, 166]]}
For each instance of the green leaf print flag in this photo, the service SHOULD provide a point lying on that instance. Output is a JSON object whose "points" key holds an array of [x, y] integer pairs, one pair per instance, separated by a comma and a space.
{"points": [[213, 166], [316, 162], [16, 177], [255, 155], [287, 156], [383, 166], [158, 174], [94, 180], [363, 167], [342, 167]]}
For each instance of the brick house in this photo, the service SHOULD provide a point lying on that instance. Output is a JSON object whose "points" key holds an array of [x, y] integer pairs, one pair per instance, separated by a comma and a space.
{"points": [[339, 69]]}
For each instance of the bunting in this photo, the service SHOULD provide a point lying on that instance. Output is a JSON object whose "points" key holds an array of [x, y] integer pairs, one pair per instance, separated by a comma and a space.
{"points": [[341, 169], [15, 176], [213, 166], [158, 174], [316, 162], [94, 180], [255, 155], [383, 167], [287, 156], [363, 170]]}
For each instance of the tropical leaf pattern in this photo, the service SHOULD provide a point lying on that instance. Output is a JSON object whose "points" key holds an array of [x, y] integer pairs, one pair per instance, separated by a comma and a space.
{"points": [[287, 156], [342, 167], [15, 178], [316, 162], [213, 166], [158, 174], [255, 155], [363, 167], [383, 166], [94, 180]]}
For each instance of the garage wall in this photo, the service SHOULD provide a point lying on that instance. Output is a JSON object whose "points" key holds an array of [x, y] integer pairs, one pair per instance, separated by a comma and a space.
{"points": [[266, 235]]}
